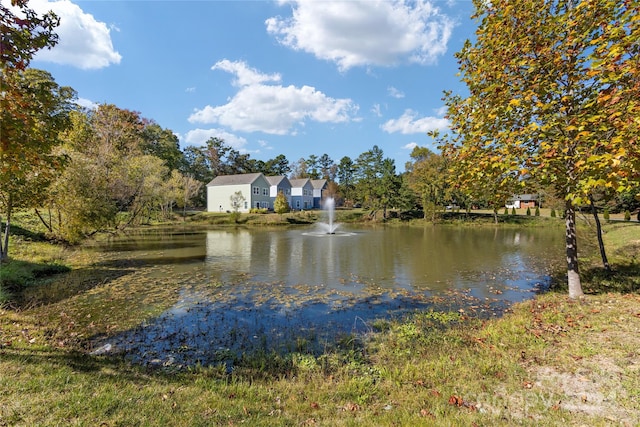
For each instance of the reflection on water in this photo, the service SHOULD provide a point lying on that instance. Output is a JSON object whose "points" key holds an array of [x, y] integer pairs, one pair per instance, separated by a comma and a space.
{"points": [[242, 290]]}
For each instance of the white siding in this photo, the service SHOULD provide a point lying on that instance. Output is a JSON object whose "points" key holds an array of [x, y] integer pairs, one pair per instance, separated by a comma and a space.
{"points": [[219, 197]]}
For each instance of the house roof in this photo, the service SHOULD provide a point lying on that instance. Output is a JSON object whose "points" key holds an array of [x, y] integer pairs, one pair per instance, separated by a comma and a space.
{"points": [[319, 183], [524, 197], [275, 180], [299, 182], [246, 178]]}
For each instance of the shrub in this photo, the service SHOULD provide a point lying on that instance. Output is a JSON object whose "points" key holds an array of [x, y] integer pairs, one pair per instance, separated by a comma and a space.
{"points": [[537, 211], [234, 217], [627, 215], [605, 214], [553, 213], [528, 211], [506, 211], [513, 210]]}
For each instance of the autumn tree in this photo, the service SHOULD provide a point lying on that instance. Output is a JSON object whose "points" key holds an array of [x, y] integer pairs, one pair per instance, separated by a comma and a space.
{"points": [[24, 34], [299, 169], [553, 99], [32, 109], [112, 179], [427, 177], [280, 204]]}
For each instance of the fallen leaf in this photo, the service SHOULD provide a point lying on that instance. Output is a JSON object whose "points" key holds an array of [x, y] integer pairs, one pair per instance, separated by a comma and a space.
{"points": [[455, 400], [351, 407], [427, 414]]}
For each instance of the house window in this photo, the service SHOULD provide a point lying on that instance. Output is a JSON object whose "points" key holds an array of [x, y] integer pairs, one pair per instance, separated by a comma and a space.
{"points": [[245, 205], [256, 190], [298, 204], [288, 191], [265, 191]]}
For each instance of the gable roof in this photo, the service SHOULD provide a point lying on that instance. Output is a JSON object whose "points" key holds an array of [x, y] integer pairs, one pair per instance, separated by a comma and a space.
{"points": [[299, 182], [245, 178], [319, 184], [275, 180], [524, 197]]}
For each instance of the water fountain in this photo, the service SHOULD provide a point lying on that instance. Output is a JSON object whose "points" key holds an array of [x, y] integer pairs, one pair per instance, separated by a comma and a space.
{"points": [[330, 207], [329, 228]]}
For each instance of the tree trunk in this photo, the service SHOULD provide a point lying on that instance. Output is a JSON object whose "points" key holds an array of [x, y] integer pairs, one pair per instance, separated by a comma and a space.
{"points": [[1, 244], [4, 245], [573, 274], [495, 215], [603, 253], [43, 221]]}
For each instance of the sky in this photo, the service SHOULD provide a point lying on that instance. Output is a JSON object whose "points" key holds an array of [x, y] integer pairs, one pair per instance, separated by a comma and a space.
{"points": [[297, 78]]}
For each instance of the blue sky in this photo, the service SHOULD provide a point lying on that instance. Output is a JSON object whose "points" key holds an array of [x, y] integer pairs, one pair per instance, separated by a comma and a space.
{"points": [[269, 77]]}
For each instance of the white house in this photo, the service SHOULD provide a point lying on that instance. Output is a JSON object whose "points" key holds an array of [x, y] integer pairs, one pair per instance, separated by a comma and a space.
{"points": [[523, 201], [254, 187], [301, 193], [319, 186], [279, 183]]}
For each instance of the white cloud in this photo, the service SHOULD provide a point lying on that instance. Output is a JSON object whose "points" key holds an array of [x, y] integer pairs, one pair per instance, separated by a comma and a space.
{"points": [[376, 110], [362, 33], [410, 146], [199, 137], [245, 76], [264, 144], [83, 42], [272, 109], [410, 123], [86, 103], [395, 93], [442, 110]]}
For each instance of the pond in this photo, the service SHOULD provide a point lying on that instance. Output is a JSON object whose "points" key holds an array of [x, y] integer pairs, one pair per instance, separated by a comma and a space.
{"points": [[210, 295]]}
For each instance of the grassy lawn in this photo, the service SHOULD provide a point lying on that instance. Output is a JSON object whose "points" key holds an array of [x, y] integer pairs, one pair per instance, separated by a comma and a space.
{"points": [[549, 361]]}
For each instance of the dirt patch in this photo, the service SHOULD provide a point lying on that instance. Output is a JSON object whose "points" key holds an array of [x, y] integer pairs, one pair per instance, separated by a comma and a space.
{"points": [[600, 378], [596, 394]]}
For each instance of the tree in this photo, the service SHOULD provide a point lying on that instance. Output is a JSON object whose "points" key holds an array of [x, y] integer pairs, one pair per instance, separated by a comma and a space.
{"points": [[327, 169], [277, 166], [34, 110], [109, 182], [368, 171], [162, 143], [427, 176], [345, 176], [188, 191], [553, 93], [313, 166], [25, 136], [23, 36], [280, 204], [196, 166], [389, 186], [299, 169], [378, 183], [237, 200]]}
